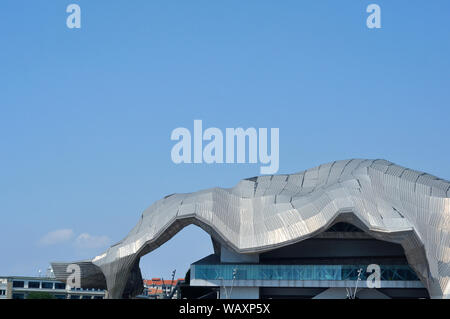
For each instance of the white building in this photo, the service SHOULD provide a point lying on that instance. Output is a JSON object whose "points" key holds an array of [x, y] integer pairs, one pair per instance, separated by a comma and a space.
{"points": [[16, 287]]}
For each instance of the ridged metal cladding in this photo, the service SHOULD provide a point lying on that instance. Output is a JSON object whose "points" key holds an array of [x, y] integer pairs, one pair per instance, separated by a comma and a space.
{"points": [[388, 201]]}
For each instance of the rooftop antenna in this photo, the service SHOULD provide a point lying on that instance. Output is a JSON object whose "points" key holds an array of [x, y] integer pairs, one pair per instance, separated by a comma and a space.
{"points": [[163, 287], [171, 283]]}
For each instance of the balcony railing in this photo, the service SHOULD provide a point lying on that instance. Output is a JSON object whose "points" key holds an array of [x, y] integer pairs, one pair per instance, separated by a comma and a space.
{"points": [[297, 272]]}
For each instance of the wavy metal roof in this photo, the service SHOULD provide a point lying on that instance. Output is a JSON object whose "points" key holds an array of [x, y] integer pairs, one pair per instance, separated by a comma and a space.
{"points": [[387, 201]]}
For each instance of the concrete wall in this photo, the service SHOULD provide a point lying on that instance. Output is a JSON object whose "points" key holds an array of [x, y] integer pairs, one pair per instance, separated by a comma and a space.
{"points": [[229, 256], [239, 293], [329, 248]]}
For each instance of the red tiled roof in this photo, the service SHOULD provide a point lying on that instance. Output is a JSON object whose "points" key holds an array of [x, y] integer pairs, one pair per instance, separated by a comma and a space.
{"points": [[153, 291], [160, 282]]}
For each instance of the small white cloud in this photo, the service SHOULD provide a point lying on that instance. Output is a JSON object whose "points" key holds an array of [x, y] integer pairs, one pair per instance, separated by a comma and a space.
{"points": [[87, 241], [56, 237]]}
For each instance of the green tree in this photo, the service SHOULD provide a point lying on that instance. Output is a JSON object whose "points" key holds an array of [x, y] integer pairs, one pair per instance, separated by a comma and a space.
{"points": [[40, 295]]}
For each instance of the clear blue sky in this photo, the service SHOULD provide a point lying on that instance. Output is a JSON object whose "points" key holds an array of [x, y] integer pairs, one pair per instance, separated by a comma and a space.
{"points": [[86, 115]]}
